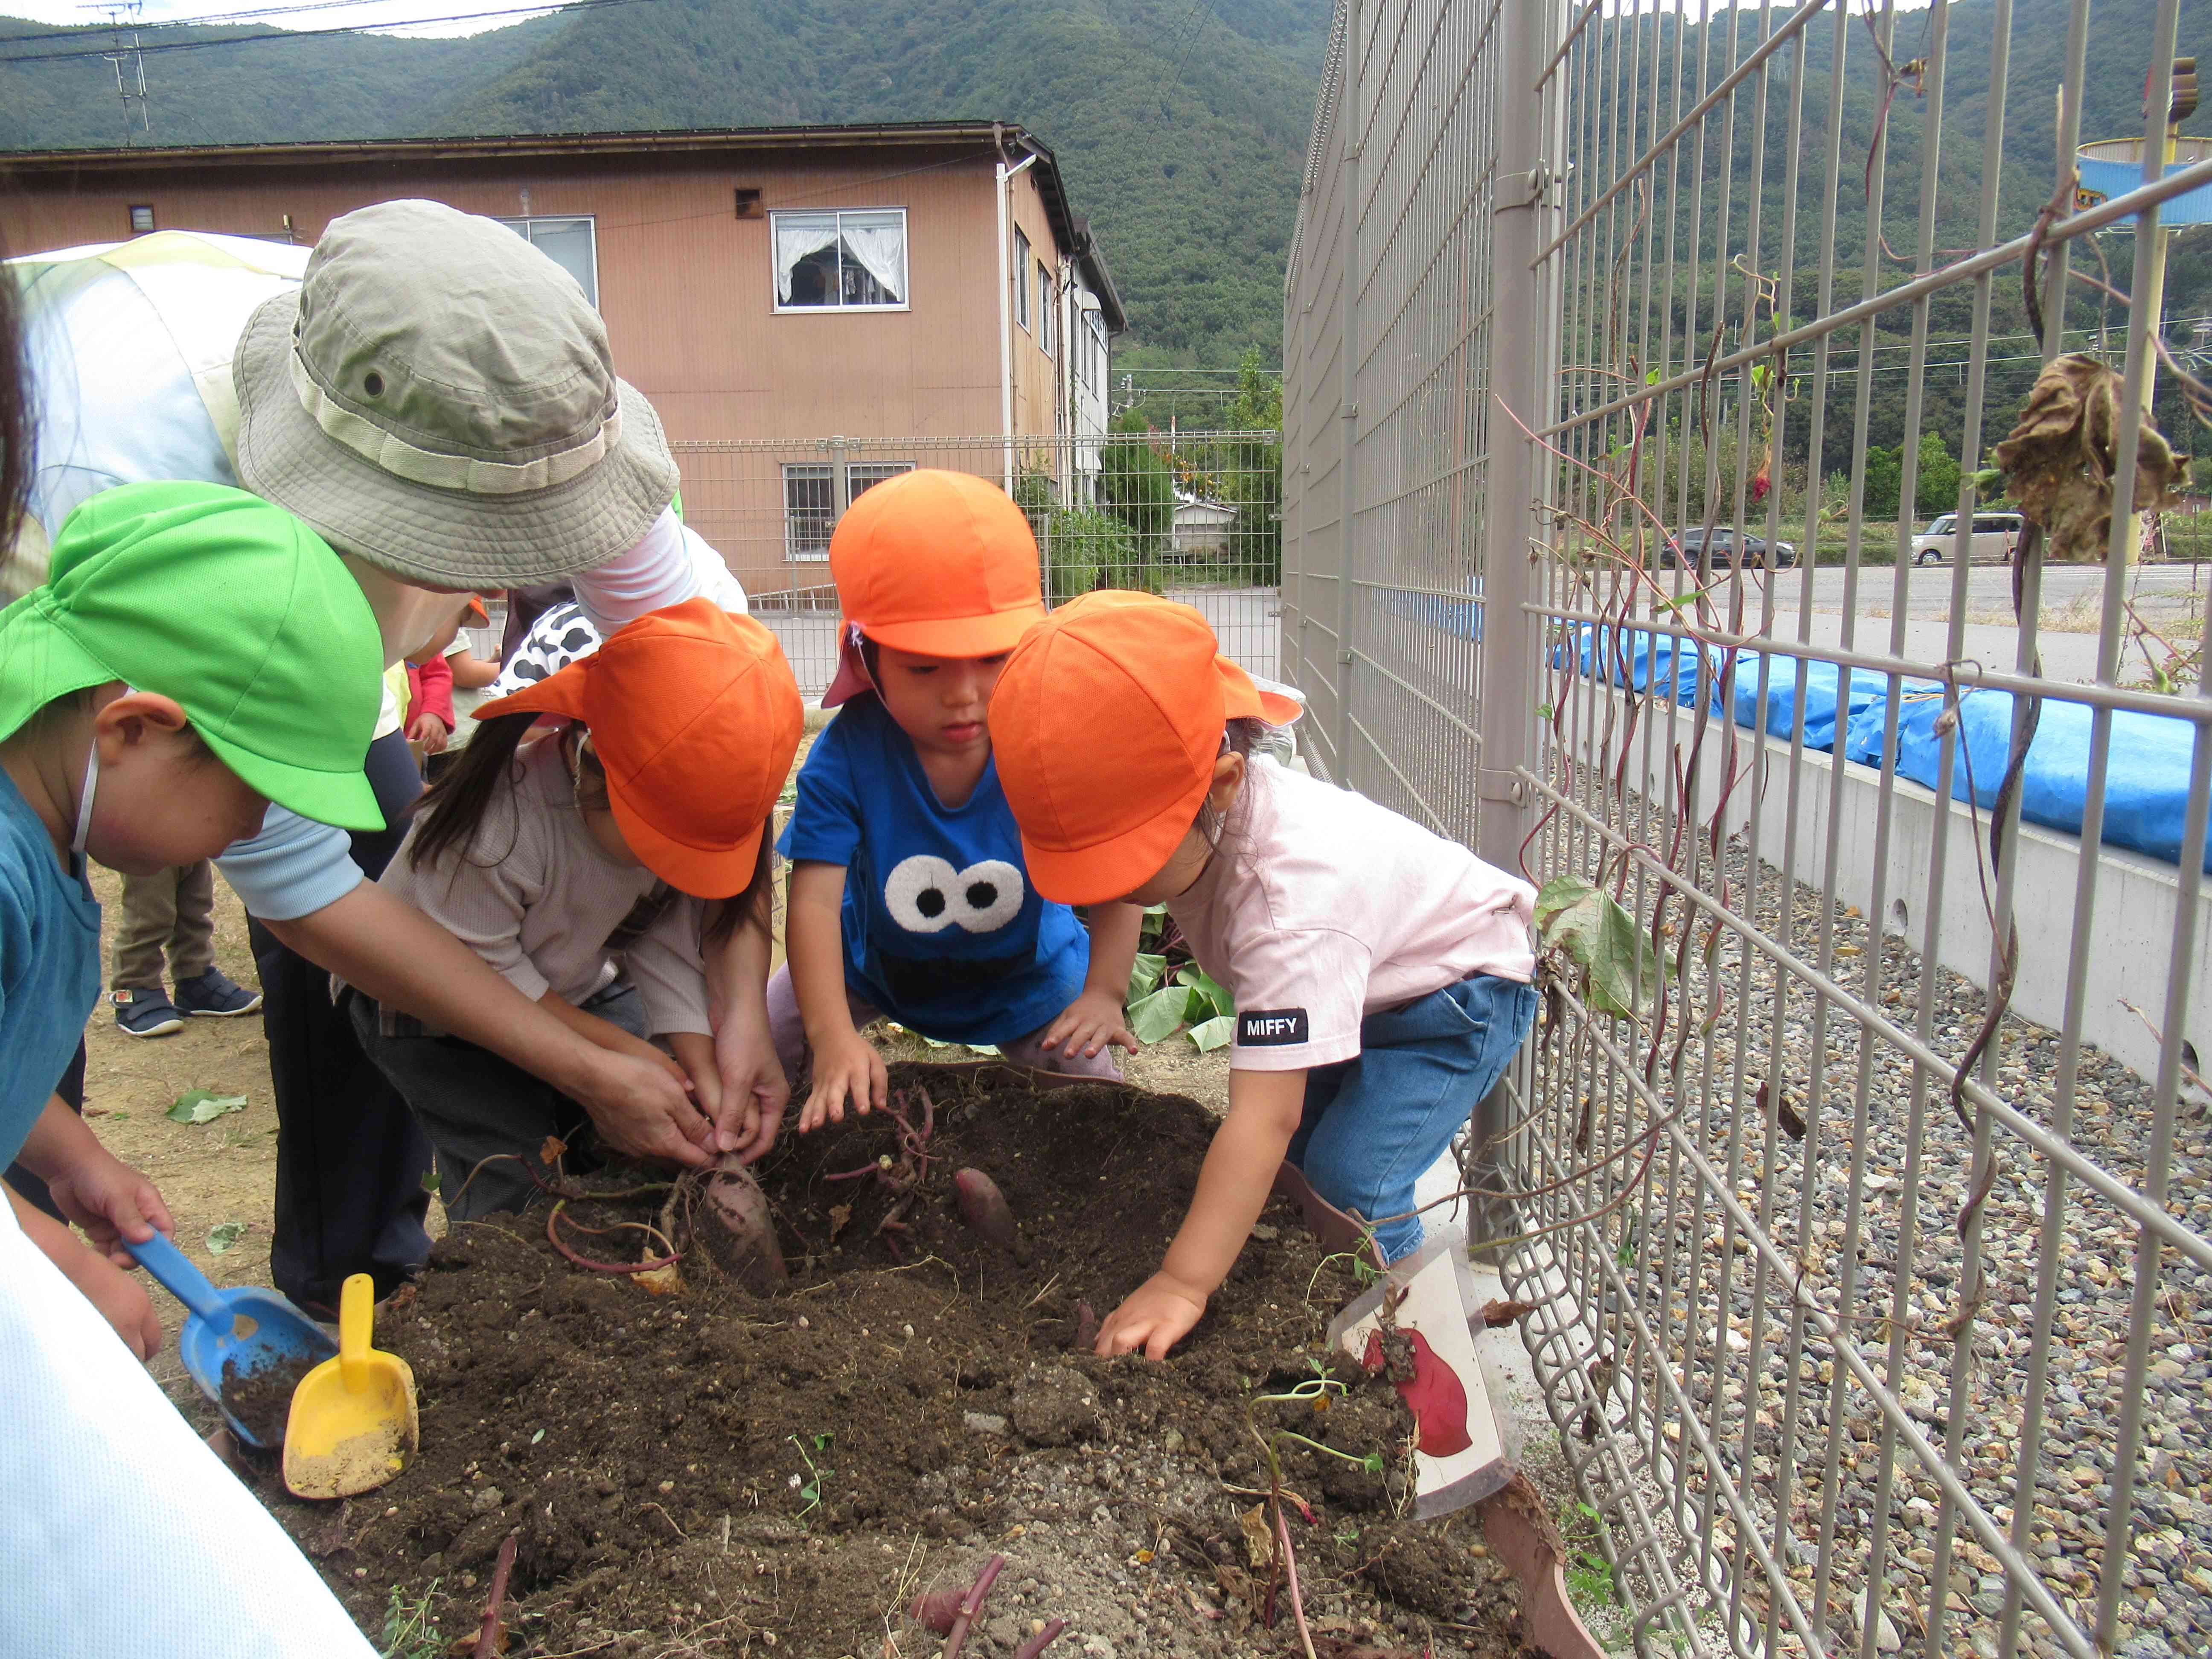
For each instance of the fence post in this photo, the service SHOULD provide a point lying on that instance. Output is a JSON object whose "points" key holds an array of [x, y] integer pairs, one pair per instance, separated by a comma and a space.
{"points": [[1504, 716], [1348, 405]]}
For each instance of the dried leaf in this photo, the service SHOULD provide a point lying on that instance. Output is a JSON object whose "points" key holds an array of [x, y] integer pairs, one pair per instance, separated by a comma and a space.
{"points": [[2060, 455], [1258, 1537], [661, 1281], [551, 1151], [841, 1217], [1498, 1312]]}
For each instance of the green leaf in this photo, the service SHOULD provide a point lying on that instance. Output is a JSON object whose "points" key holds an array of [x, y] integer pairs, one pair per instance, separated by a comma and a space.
{"points": [[1156, 1016], [430, 1182], [1651, 377], [1622, 971], [538, 1437], [1209, 990], [224, 1238], [203, 1106], [1145, 974], [1215, 1033]]}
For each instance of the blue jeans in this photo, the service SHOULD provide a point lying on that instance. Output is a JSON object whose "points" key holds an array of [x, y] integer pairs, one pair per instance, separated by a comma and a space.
{"points": [[1372, 1124]]}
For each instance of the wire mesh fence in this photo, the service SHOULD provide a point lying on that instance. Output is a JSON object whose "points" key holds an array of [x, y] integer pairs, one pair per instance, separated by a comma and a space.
{"points": [[1196, 515], [1856, 1168]]}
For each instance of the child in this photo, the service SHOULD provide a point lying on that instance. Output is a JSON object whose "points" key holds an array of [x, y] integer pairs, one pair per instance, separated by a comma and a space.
{"points": [[1381, 973], [195, 654], [579, 866], [907, 894]]}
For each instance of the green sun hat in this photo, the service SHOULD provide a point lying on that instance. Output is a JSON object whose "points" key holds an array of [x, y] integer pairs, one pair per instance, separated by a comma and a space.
{"points": [[234, 608]]}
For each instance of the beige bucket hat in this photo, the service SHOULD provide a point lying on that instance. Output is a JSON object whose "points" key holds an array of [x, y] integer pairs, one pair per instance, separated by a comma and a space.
{"points": [[437, 397]]}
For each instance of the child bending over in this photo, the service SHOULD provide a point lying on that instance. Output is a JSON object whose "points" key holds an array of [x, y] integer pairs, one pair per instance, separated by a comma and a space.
{"points": [[1381, 973], [195, 654], [908, 897], [580, 865]]}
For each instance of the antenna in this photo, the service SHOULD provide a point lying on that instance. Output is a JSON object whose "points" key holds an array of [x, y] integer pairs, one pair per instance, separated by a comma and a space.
{"points": [[124, 16]]}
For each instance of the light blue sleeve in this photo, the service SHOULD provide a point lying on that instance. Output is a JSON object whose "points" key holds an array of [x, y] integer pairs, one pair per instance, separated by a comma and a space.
{"points": [[292, 868]]}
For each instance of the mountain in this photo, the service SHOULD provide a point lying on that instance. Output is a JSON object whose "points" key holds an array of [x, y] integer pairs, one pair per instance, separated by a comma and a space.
{"points": [[1180, 125]]}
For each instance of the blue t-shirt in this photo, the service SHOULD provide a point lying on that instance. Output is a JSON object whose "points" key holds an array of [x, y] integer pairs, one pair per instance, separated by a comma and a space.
{"points": [[49, 967], [942, 931]]}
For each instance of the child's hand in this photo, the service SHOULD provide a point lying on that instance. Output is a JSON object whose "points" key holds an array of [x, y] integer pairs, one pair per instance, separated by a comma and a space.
{"points": [[755, 1090], [112, 1201], [1157, 1315], [431, 733], [1091, 1022], [844, 1065], [122, 1301]]}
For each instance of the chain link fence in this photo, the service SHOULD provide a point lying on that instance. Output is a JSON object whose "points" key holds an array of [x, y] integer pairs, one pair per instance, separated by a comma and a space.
{"points": [[1855, 1169], [1196, 515]]}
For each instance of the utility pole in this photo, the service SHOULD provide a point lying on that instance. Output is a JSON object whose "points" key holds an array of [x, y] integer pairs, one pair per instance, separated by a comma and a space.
{"points": [[124, 16]]}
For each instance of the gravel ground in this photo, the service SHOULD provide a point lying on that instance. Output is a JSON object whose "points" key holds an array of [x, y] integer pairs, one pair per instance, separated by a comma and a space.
{"points": [[1843, 1240]]}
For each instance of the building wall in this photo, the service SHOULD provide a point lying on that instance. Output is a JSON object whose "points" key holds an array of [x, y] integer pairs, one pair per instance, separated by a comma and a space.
{"points": [[686, 287]]}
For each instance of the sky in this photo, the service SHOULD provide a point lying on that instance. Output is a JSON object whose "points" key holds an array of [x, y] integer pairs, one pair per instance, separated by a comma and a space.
{"points": [[379, 14]]}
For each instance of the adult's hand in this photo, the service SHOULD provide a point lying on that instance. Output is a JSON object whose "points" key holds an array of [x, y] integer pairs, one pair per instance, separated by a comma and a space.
{"points": [[386, 948], [641, 1110]]}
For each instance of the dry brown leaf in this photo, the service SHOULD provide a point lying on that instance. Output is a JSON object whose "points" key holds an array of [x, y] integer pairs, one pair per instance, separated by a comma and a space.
{"points": [[2060, 457], [661, 1281], [1258, 1537], [841, 1217], [1497, 1311], [551, 1151]]}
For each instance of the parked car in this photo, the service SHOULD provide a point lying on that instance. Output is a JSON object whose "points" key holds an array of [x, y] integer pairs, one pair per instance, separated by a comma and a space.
{"points": [[1717, 550], [1993, 538]]}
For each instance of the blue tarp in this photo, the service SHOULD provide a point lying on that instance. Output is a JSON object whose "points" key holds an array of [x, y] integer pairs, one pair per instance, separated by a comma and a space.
{"points": [[2146, 777]]}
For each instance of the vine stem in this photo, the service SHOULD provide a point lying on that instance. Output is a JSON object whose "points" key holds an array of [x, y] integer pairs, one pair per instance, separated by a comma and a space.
{"points": [[971, 1605], [1043, 1639], [1290, 1574]]}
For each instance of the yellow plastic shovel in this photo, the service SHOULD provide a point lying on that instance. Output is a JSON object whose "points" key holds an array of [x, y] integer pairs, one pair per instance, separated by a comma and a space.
{"points": [[354, 1424]]}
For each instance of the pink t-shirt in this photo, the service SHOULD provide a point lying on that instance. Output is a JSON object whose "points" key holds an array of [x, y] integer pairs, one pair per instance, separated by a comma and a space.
{"points": [[1322, 907]]}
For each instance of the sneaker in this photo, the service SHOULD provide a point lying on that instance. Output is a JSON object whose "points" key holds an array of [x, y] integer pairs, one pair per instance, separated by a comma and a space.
{"points": [[145, 1013], [212, 993]]}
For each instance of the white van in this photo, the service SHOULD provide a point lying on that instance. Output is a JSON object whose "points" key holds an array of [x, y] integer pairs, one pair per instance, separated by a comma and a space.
{"points": [[1995, 536]]}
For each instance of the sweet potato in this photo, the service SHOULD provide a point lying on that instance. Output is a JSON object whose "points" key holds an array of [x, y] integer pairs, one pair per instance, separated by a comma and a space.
{"points": [[938, 1610], [984, 1207], [732, 1220]]}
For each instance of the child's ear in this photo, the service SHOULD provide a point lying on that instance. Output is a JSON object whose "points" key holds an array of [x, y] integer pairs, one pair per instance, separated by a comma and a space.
{"points": [[131, 716], [1228, 779]]}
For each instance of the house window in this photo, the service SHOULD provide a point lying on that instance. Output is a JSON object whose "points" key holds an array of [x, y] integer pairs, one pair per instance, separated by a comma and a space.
{"points": [[809, 502], [569, 243], [853, 260], [859, 477], [1021, 287], [1044, 308], [142, 218]]}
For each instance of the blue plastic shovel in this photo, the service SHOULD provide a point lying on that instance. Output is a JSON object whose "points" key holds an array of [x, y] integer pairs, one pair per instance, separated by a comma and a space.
{"points": [[234, 1336]]}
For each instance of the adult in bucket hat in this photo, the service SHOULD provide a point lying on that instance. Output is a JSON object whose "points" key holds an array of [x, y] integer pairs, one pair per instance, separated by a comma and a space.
{"points": [[437, 398], [588, 865]]}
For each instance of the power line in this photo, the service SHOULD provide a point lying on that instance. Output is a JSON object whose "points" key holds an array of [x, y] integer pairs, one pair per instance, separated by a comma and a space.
{"points": [[311, 34], [77, 32]]}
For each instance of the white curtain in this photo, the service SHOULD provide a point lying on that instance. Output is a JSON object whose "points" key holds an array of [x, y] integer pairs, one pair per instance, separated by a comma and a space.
{"points": [[877, 240], [796, 236]]}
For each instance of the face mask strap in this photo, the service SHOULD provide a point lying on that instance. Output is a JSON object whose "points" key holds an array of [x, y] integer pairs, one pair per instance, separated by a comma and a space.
{"points": [[88, 790]]}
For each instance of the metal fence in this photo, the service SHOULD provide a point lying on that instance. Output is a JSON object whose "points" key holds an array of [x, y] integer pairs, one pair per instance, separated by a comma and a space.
{"points": [[1872, 1311], [1194, 514]]}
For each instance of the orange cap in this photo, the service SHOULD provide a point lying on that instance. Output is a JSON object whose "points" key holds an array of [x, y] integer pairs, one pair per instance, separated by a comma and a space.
{"points": [[1100, 819], [943, 563], [696, 716]]}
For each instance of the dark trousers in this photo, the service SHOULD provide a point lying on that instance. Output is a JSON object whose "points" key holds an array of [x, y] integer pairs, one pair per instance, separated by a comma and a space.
{"points": [[351, 1158], [477, 1106], [72, 1090]]}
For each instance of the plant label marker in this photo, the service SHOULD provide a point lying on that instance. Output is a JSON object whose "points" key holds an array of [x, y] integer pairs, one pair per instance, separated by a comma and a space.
{"points": [[1460, 1455]]}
